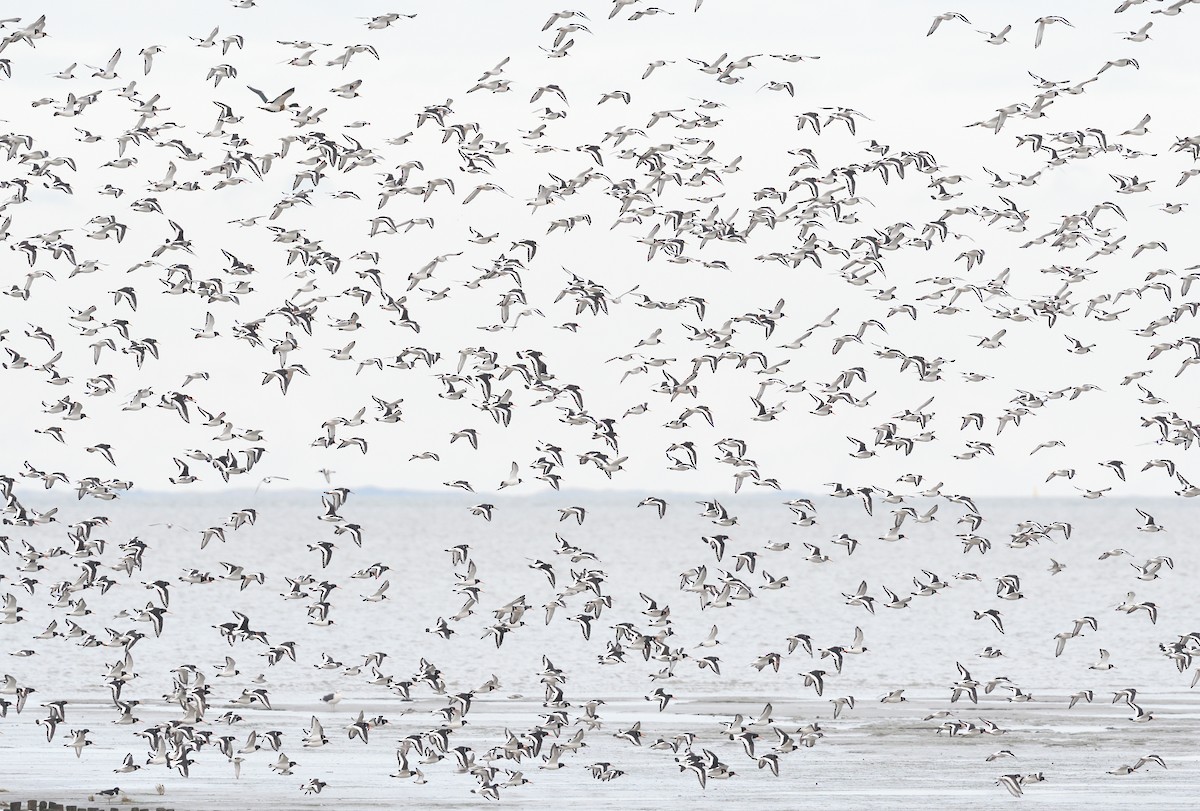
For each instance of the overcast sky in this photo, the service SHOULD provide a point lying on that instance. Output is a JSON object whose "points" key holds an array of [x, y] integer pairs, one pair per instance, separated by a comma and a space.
{"points": [[909, 91]]}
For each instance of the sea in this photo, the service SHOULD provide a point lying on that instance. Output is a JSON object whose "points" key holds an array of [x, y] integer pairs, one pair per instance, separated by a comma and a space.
{"points": [[878, 754]]}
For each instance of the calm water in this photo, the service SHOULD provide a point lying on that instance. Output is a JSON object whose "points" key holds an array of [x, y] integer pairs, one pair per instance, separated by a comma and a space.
{"points": [[877, 753]]}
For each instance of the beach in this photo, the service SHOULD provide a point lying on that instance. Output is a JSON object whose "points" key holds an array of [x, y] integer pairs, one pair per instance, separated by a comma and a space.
{"points": [[876, 755]]}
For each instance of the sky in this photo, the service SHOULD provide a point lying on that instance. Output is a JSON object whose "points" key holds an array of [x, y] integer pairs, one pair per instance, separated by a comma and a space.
{"points": [[910, 92]]}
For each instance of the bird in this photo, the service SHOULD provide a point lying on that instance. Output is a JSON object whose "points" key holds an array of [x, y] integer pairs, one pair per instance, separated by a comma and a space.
{"points": [[108, 71], [993, 616], [206, 232], [998, 38], [1104, 663], [277, 105], [659, 505], [1139, 128], [1042, 22], [947, 17], [1012, 783], [1148, 522]]}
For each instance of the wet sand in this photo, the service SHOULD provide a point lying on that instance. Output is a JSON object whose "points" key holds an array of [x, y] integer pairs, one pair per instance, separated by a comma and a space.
{"points": [[875, 756]]}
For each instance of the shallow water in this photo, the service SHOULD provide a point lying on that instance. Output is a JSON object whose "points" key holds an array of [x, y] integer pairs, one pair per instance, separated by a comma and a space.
{"points": [[876, 755]]}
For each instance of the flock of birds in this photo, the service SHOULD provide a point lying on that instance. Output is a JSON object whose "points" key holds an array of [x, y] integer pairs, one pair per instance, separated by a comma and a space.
{"points": [[282, 294]]}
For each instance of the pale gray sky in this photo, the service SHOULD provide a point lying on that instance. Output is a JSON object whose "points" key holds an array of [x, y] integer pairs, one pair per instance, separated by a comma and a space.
{"points": [[918, 91]]}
